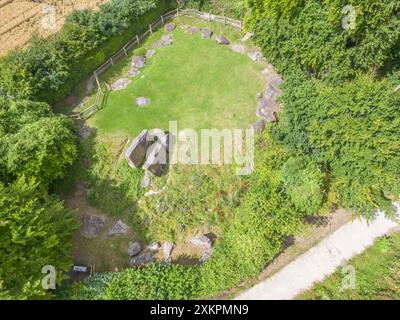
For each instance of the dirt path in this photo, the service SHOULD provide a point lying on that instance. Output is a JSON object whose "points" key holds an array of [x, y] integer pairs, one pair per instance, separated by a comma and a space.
{"points": [[320, 261]]}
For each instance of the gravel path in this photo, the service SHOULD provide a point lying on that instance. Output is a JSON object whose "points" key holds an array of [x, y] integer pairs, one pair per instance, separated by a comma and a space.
{"points": [[320, 261]]}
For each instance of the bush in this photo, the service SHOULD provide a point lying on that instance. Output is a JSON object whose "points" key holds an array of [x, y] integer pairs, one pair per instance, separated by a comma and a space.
{"points": [[304, 184], [35, 231], [350, 129], [35, 143], [155, 282]]}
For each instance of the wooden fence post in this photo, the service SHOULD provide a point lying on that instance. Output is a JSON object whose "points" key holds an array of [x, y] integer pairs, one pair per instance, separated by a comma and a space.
{"points": [[241, 26], [112, 62], [177, 12], [209, 16], [137, 39], [224, 20], [151, 29], [97, 79], [162, 20], [125, 51]]}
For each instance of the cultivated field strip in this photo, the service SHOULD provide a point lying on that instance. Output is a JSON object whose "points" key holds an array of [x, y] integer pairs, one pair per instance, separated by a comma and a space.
{"points": [[20, 19]]}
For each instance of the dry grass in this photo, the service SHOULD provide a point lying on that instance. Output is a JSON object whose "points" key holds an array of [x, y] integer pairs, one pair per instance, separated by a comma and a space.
{"points": [[20, 19]]}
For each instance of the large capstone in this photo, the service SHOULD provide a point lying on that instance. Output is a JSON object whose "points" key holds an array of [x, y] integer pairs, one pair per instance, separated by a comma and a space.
{"points": [[136, 153]]}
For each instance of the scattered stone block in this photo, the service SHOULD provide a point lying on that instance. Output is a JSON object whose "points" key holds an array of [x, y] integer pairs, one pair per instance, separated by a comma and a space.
{"points": [[142, 102], [222, 40], [119, 228], [92, 226], [201, 241], [138, 62], [154, 246], [259, 126], [239, 48], [169, 27], [134, 248], [142, 259], [190, 29], [167, 249], [146, 181], [206, 33], [133, 72], [150, 53], [247, 36], [120, 84], [255, 55]]}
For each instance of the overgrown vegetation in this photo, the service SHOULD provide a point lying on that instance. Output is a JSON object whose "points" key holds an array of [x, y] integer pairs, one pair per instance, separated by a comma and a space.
{"points": [[35, 231], [340, 104]]}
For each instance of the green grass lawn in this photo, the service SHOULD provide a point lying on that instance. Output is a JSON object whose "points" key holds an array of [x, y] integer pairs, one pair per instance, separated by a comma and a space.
{"points": [[196, 82], [377, 275]]}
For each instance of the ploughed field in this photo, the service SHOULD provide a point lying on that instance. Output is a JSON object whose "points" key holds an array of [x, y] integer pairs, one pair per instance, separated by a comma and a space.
{"points": [[19, 19]]}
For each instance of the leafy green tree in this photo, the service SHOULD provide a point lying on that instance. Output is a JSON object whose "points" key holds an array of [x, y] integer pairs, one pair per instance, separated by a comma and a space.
{"points": [[35, 231], [36, 143], [352, 130]]}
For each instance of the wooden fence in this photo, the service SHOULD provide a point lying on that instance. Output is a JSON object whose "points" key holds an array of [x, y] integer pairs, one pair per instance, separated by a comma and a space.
{"points": [[94, 107]]}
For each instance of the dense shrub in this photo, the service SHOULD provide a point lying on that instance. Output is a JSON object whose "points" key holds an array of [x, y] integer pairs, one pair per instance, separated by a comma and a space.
{"points": [[35, 143], [352, 129], [35, 231], [304, 184], [155, 282], [230, 8]]}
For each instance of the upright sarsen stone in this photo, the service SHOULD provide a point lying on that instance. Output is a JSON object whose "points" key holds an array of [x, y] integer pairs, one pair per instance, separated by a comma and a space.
{"points": [[136, 153]]}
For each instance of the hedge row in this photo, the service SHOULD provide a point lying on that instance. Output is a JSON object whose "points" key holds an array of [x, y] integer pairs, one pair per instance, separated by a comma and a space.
{"points": [[48, 69]]}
